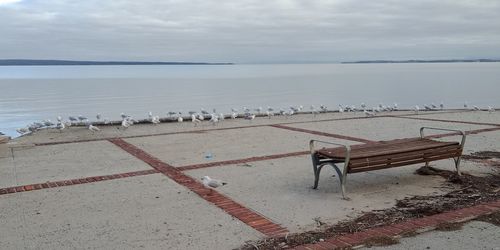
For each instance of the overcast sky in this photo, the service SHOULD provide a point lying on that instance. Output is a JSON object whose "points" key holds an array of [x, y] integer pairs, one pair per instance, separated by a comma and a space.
{"points": [[245, 31]]}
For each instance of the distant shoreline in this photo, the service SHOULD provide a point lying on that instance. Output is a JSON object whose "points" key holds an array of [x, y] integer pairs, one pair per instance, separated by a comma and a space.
{"points": [[28, 62], [423, 61]]}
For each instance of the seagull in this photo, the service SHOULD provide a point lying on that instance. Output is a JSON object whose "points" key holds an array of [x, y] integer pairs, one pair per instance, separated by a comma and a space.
{"points": [[124, 115], [171, 113], [150, 115], [369, 114], [127, 123], [433, 106], [363, 105], [259, 110], [234, 115], [490, 109], [250, 117], [59, 119], [234, 110], [48, 123], [82, 118], [204, 112], [180, 119], [441, 105], [192, 112], [214, 119], [476, 108], [323, 108], [212, 183], [313, 110], [222, 117], [23, 131], [72, 119], [194, 120], [269, 114], [201, 117], [395, 107], [416, 109], [155, 119], [98, 116], [93, 128], [341, 109], [427, 107], [60, 126], [465, 105]]}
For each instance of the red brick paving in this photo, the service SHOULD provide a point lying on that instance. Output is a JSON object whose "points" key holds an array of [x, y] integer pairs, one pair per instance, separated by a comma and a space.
{"points": [[240, 161], [449, 121], [53, 184], [343, 137], [249, 217], [397, 230]]}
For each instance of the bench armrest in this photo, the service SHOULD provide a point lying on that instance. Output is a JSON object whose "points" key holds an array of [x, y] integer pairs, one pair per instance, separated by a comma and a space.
{"points": [[445, 129], [347, 148]]}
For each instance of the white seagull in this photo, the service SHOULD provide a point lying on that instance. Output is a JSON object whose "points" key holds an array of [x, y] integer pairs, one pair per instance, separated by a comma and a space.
{"points": [[194, 120], [212, 183], [93, 128]]}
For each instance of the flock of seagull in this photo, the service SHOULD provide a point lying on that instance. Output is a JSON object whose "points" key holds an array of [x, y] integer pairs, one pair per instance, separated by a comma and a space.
{"points": [[214, 117]]}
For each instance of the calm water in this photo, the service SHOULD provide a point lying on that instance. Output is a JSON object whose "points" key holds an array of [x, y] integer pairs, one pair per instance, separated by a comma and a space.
{"points": [[29, 94]]}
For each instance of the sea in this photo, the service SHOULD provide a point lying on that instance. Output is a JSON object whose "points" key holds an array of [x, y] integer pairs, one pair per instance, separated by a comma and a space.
{"points": [[35, 93]]}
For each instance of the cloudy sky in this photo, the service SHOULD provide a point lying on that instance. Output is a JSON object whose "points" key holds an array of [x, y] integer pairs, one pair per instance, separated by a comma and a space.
{"points": [[249, 31]]}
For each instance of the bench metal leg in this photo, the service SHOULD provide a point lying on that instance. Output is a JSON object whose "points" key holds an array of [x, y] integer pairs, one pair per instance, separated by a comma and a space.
{"points": [[457, 164], [317, 170]]}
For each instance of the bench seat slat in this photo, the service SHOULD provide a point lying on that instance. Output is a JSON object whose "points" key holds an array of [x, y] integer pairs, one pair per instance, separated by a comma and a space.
{"points": [[377, 149], [404, 163], [387, 159]]}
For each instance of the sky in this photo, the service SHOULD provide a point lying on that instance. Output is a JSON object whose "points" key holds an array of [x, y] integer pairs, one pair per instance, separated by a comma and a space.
{"points": [[249, 31]]}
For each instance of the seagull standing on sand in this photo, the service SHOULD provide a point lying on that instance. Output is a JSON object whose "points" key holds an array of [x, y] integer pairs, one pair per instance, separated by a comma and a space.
{"points": [[490, 109], [201, 117], [234, 115], [82, 118], [60, 126], [155, 119], [416, 109], [250, 117], [368, 113], [323, 108], [194, 120], [23, 131], [214, 119], [212, 183], [72, 119], [126, 123], [93, 128], [476, 108], [180, 119]]}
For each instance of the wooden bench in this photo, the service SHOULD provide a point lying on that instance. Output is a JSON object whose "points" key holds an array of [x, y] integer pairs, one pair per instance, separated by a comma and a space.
{"points": [[384, 154]]}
